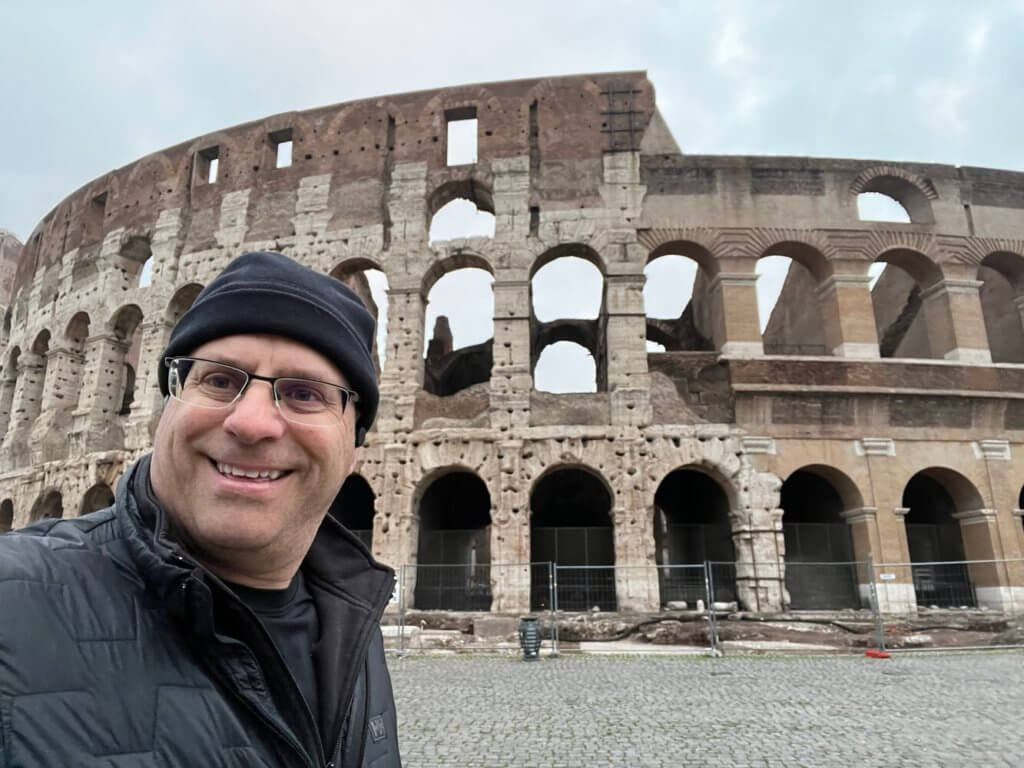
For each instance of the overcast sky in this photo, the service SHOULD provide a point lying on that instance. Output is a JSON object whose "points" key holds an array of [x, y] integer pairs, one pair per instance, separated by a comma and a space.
{"points": [[88, 87]]}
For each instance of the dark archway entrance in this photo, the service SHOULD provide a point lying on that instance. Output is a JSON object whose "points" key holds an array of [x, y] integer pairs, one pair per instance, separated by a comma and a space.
{"points": [[51, 504], [353, 508], [571, 526], [98, 497], [691, 527], [6, 515], [820, 572], [936, 546], [453, 570]]}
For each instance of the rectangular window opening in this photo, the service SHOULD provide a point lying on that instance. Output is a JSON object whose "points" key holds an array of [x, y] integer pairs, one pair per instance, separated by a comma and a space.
{"points": [[207, 165], [281, 143], [462, 133], [94, 215]]}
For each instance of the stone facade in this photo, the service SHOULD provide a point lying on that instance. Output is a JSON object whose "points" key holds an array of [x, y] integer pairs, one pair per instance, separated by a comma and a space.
{"points": [[574, 166]]}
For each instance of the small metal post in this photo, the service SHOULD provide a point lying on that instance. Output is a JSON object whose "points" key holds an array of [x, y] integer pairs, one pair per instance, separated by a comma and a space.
{"points": [[401, 610], [709, 591], [553, 603], [875, 607]]}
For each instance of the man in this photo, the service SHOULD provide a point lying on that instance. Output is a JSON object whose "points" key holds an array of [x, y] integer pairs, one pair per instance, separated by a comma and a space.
{"points": [[216, 615]]}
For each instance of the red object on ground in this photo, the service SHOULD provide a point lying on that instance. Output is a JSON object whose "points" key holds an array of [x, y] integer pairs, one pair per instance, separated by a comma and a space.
{"points": [[872, 653]]}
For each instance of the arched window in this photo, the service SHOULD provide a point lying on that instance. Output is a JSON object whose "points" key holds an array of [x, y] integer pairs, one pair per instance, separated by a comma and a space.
{"points": [[875, 206], [459, 324], [571, 525], [691, 526], [459, 210], [676, 305], [567, 297], [454, 548]]}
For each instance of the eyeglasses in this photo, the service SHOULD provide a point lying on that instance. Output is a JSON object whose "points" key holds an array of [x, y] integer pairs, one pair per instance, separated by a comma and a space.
{"points": [[210, 384]]}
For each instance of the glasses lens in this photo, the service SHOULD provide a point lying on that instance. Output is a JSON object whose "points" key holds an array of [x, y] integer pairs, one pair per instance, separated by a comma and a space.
{"points": [[205, 384], [310, 402]]}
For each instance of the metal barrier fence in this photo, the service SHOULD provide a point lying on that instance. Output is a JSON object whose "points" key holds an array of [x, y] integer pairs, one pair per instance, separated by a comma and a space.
{"points": [[717, 606], [944, 604], [466, 607]]}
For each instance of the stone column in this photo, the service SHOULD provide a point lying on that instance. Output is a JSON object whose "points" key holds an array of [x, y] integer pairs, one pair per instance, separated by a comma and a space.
{"points": [[626, 351], [734, 300], [402, 376], [510, 534], [48, 440], [148, 403], [863, 523], [848, 316], [894, 574], [980, 534], [511, 379], [95, 426], [395, 524], [24, 408], [760, 555], [7, 387], [956, 327]]}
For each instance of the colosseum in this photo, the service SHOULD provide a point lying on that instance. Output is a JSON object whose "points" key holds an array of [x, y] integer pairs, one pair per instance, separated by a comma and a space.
{"points": [[878, 414]]}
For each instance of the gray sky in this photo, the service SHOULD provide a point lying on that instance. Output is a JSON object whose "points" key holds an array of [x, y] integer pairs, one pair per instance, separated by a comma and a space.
{"points": [[88, 87]]}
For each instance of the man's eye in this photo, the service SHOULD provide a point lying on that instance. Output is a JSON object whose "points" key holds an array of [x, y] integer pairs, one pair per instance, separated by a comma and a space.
{"points": [[219, 381], [304, 394]]}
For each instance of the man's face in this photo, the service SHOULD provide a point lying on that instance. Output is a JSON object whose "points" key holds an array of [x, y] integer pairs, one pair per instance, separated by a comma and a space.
{"points": [[230, 518]]}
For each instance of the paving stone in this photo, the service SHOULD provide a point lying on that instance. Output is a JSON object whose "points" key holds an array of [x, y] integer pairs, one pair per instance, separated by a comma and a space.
{"points": [[658, 711]]}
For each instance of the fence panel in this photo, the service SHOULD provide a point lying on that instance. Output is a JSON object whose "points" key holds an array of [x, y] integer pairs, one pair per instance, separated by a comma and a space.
{"points": [[585, 588], [451, 607], [949, 604], [824, 586]]}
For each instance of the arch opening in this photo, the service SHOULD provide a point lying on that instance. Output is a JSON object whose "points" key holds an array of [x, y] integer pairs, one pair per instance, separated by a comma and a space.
{"points": [[461, 209], [354, 508], [48, 505], [691, 527], [6, 515], [98, 497], [564, 367], [571, 525], [127, 326], [820, 572], [1002, 301], [936, 545], [676, 305], [453, 571], [788, 307], [459, 352], [370, 284], [878, 206], [568, 322], [896, 297]]}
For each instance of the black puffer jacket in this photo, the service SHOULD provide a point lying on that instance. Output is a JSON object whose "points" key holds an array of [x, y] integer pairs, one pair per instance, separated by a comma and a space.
{"points": [[109, 654]]}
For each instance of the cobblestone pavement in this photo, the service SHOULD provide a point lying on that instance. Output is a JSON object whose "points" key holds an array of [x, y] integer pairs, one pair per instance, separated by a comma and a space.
{"points": [[589, 711]]}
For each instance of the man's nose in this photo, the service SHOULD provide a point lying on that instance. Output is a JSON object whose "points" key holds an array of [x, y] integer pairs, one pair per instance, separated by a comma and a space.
{"points": [[255, 416]]}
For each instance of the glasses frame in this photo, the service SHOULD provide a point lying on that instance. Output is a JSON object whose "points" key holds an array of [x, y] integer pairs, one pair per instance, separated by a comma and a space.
{"points": [[347, 395]]}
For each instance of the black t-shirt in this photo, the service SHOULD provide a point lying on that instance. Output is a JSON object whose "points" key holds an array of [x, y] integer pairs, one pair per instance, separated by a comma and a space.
{"points": [[291, 620]]}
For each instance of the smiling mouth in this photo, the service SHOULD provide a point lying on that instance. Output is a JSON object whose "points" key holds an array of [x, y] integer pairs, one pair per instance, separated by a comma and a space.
{"points": [[242, 473]]}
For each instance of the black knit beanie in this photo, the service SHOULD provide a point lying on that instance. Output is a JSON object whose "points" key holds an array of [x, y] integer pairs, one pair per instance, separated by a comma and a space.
{"points": [[266, 292]]}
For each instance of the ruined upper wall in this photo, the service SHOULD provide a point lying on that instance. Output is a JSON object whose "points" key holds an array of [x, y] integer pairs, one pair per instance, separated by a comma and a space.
{"points": [[562, 127], [562, 124], [10, 255]]}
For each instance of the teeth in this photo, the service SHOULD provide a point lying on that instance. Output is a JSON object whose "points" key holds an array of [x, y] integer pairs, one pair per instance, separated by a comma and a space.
{"points": [[252, 474]]}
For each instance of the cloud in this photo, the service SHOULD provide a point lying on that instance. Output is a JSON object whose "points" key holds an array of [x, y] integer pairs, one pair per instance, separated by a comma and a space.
{"points": [[731, 49], [977, 38]]}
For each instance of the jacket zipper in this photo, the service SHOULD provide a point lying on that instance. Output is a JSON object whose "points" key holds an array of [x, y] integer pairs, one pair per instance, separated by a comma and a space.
{"points": [[360, 654]]}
